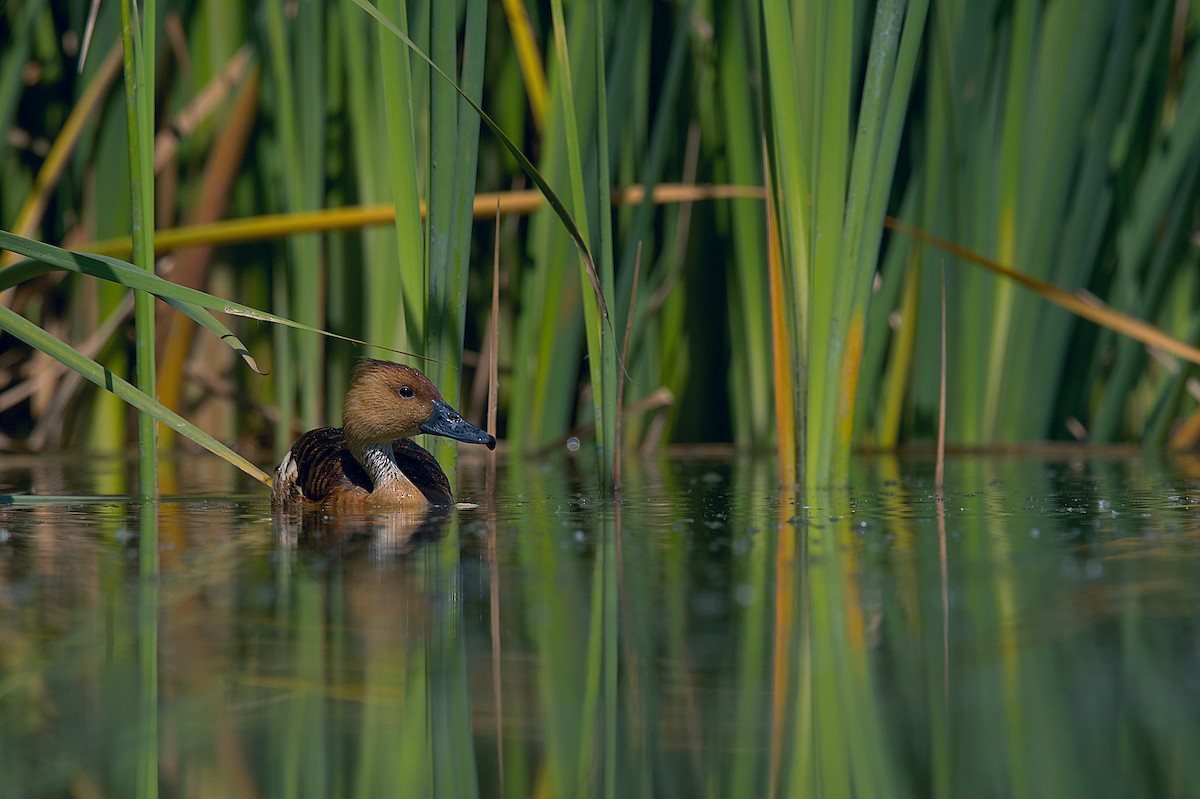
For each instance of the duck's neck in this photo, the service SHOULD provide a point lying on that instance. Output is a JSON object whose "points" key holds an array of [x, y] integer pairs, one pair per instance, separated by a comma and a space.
{"points": [[388, 482]]}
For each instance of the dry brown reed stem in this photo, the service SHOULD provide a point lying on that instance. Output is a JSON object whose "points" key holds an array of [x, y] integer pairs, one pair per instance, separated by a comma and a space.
{"points": [[493, 356], [939, 473]]}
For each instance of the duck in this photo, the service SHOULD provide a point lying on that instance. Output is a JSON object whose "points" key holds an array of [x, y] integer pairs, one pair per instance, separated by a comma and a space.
{"points": [[372, 461]]}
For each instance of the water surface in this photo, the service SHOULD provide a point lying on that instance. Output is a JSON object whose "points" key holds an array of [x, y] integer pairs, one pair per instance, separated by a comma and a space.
{"points": [[1033, 633]]}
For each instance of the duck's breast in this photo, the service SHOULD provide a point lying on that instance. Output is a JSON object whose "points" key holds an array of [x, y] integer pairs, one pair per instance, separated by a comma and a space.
{"points": [[422, 470]]}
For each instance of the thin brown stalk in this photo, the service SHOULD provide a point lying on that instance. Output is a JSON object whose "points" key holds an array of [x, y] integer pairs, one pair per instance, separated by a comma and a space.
{"points": [[493, 356], [493, 352], [939, 486], [939, 474]]}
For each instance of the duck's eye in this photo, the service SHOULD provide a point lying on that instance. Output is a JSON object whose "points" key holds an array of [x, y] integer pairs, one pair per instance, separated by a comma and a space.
{"points": [[406, 392]]}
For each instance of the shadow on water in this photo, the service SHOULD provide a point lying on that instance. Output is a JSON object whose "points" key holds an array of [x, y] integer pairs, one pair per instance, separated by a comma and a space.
{"points": [[1033, 633]]}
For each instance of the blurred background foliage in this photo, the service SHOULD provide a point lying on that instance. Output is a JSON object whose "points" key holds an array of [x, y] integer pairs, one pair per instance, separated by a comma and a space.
{"points": [[1062, 138]]}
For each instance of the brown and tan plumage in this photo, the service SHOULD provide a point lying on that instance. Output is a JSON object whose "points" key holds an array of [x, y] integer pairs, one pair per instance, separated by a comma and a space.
{"points": [[371, 461]]}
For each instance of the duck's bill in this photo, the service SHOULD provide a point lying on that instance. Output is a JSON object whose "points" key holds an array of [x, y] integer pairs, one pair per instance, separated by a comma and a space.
{"points": [[445, 421]]}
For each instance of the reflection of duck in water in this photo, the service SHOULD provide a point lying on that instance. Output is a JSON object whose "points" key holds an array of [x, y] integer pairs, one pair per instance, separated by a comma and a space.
{"points": [[372, 534], [371, 461]]}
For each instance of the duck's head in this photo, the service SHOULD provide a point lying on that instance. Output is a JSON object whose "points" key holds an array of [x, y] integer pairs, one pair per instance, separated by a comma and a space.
{"points": [[387, 401]]}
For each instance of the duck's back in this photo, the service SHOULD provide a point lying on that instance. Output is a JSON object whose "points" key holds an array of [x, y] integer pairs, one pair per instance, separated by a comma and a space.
{"points": [[320, 469]]}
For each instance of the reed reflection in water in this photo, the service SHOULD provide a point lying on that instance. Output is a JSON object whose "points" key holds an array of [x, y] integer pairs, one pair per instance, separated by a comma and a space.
{"points": [[706, 635]]}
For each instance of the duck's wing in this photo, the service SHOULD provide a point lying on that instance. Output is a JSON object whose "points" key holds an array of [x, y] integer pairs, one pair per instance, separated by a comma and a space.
{"points": [[318, 465], [423, 470]]}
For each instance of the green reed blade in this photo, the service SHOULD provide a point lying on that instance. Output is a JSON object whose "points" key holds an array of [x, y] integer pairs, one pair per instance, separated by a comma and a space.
{"points": [[299, 122], [549, 334], [895, 42], [379, 285], [644, 158], [35, 337], [454, 155], [400, 110], [603, 358], [1168, 180], [138, 45], [1067, 110], [1085, 229], [1012, 137], [526, 165], [788, 143], [750, 314], [442, 171], [829, 29]]}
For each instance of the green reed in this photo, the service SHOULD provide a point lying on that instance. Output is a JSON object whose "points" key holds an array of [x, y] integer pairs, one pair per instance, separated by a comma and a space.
{"points": [[452, 158], [138, 37], [1061, 178], [299, 116], [400, 89], [830, 248], [941, 116]]}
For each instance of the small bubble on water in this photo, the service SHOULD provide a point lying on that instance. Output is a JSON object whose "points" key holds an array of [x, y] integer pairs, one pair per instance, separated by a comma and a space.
{"points": [[1034, 533], [572, 444], [5, 535], [580, 536]]}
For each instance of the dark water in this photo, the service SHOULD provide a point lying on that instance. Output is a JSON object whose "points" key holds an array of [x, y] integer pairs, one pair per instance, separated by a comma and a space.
{"points": [[1035, 634]]}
